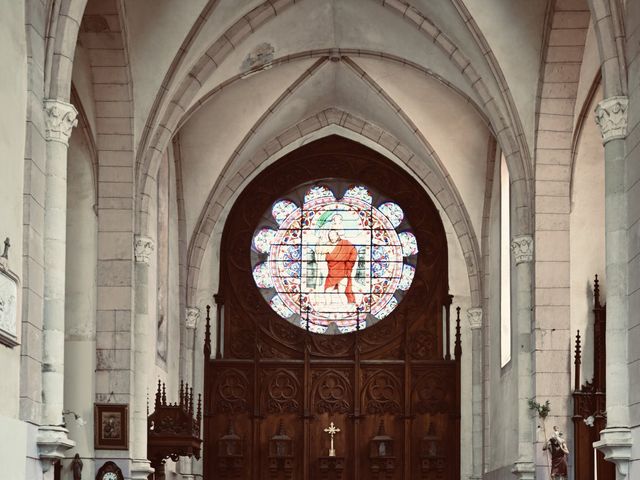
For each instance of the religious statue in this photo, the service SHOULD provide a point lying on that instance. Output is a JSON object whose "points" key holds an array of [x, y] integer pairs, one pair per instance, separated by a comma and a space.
{"points": [[559, 453], [76, 467]]}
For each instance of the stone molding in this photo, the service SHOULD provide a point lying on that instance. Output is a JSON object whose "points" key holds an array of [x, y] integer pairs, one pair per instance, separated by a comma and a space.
{"points": [[60, 118], [143, 247], [474, 315], [611, 117], [524, 470], [522, 248], [141, 469], [615, 443], [53, 441], [192, 317]]}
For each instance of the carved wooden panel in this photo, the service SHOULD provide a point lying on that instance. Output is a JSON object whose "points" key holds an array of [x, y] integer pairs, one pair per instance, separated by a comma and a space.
{"points": [[272, 378]]}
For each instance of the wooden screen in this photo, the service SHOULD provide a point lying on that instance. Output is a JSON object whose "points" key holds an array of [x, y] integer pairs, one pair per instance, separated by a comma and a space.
{"points": [[590, 402], [272, 388]]}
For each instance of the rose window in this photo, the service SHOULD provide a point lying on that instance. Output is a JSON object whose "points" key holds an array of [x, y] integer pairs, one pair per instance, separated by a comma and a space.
{"points": [[334, 259]]}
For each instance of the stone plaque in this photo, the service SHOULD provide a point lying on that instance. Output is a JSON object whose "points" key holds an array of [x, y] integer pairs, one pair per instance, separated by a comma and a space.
{"points": [[8, 309]]}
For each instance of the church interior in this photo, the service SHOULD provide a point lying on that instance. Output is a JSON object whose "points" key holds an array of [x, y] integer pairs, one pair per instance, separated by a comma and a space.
{"points": [[320, 239]]}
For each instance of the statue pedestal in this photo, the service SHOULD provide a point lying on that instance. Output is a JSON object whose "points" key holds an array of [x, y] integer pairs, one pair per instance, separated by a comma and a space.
{"points": [[331, 468]]}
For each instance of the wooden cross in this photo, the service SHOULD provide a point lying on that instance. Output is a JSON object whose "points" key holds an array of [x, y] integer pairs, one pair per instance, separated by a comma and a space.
{"points": [[332, 430]]}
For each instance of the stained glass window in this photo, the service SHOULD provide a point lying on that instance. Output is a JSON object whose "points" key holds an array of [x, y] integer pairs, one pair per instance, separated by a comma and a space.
{"points": [[334, 258]]}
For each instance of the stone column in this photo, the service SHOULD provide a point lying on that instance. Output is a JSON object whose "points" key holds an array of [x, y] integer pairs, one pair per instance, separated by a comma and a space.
{"points": [[60, 118], [192, 317], [615, 440], [522, 250], [142, 358], [475, 322]]}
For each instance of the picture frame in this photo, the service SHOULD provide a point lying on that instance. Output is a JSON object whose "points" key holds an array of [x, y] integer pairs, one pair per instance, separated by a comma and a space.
{"points": [[111, 426]]}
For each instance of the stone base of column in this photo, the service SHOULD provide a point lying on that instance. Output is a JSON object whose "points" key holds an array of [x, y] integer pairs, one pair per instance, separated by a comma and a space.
{"points": [[141, 469], [524, 470], [53, 441], [615, 443]]}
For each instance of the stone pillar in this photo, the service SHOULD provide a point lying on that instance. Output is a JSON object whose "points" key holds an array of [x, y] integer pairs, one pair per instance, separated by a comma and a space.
{"points": [[475, 322], [142, 357], [615, 440], [192, 318], [60, 118], [522, 250]]}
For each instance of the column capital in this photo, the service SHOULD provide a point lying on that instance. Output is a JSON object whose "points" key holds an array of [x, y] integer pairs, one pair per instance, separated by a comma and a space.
{"points": [[615, 443], [142, 248], [611, 117], [522, 248], [60, 118], [53, 441], [474, 315], [192, 317]]}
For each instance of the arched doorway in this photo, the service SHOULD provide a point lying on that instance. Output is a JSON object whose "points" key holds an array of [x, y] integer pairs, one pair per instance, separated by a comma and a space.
{"points": [[350, 328]]}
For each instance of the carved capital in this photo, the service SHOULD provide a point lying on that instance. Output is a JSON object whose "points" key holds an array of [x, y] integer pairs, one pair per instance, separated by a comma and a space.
{"points": [[615, 443], [53, 442], [522, 248], [475, 318], [143, 247], [192, 317], [60, 118], [611, 117]]}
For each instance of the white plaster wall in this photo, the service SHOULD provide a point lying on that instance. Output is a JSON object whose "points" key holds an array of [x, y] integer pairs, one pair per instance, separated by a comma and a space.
{"points": [[503, 415], [587, 238], [80, 304], [13, 86], [153, 43], [213, 133], [83, 83], [513, 30]]}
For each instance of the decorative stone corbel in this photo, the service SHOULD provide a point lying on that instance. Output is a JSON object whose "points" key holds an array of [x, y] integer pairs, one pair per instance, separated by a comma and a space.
{"points": [[53, 442], [60, 118], [611, 117], [475, 318], [522, 248], [192, 317], [615, 443], [143, 247]]}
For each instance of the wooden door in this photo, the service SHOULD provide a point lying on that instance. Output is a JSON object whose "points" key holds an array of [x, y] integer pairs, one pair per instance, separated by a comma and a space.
{"points": [[270, 380]]}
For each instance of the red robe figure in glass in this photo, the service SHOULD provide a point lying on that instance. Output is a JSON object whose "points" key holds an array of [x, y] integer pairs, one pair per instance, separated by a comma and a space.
{"points": [[340, 261]]}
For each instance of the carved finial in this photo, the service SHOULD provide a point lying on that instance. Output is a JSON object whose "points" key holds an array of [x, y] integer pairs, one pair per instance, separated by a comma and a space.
{"points": [[381, 430], [191, 401], [577, 362], [281, 430], [7, 244], [207, 334], [182, 402], [596, 292], [164, 394], [457, 351], [158, 395], [199, 414]]}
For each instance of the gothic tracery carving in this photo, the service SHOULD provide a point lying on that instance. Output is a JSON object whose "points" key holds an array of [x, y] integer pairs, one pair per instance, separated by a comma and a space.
{"points": [[382, 393], [332, 392], [282, 393], [232, 392]]}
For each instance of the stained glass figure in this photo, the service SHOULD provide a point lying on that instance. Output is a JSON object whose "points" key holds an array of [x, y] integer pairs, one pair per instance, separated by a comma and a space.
{"points": [[334, 266]]}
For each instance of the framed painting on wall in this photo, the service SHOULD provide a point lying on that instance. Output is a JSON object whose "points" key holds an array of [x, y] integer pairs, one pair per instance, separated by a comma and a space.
{"points": [[111, 426]]}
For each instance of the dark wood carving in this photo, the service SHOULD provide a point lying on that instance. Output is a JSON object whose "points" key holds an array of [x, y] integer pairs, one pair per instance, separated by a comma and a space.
{"points": [[173, 429], [269, 379], [589, 400]]}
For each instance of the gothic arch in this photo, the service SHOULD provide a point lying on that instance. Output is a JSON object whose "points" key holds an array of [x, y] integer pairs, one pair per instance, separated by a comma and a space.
{"points": [[229, 183]]}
